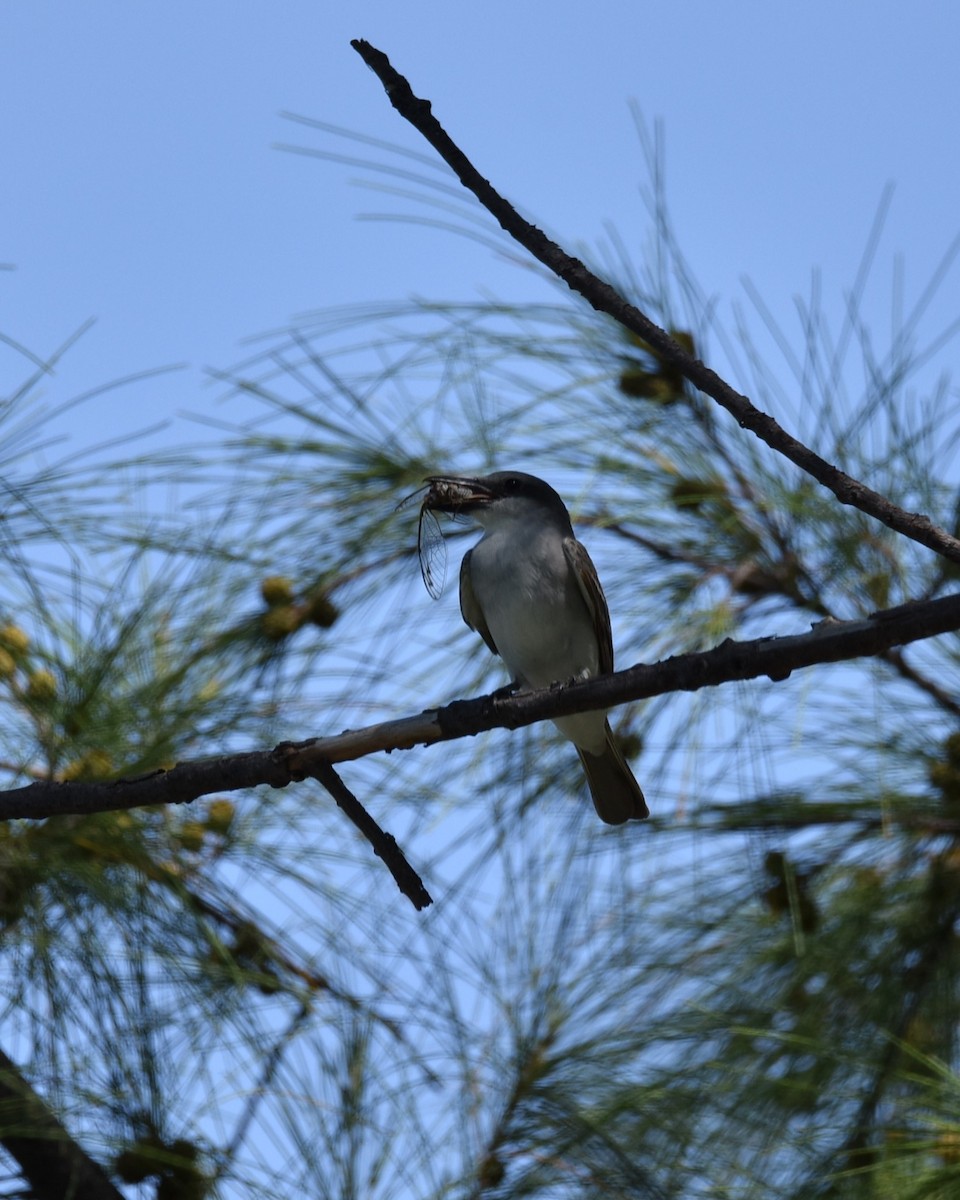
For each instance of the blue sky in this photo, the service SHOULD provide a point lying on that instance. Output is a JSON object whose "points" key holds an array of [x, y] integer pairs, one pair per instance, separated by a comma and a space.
{"points": [[143, 186]]}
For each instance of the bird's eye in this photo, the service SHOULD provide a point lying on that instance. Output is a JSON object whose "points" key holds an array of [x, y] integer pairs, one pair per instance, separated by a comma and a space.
{"points": [[513, 483]]}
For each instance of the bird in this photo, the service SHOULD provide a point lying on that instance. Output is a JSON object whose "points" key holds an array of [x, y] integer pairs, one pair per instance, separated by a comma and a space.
{"points": [[531, 591]]}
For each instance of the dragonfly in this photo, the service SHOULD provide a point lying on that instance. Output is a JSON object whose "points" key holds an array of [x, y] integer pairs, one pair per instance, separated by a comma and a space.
{"points": [[431, 548]]}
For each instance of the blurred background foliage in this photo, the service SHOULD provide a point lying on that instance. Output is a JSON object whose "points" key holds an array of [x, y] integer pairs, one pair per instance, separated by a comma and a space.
{"points": [[753, 994]]}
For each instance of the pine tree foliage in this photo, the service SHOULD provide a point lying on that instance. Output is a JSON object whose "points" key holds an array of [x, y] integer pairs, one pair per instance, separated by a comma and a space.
{"points": [[752, 995]]}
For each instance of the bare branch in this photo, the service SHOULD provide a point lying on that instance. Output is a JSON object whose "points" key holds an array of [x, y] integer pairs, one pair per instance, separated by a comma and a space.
{"points": [[55, 1166], [936, 693], [773, 657], [604, 298], [384, 844]]}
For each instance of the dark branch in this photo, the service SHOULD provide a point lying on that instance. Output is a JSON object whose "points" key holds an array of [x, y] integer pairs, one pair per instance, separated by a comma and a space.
{"points": [[384, 844], [261, 1091], [918, 974], [183, 783], [53, 1164], [936, 693], [605, 298], [775, 658]]}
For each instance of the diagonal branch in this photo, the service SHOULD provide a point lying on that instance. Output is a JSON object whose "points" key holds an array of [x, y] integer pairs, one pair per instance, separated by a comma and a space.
{"points": [[384, 844], [773, 657], [261, 1090], [54, 1165], [605, 298], [940, 695], [859, 1148]]}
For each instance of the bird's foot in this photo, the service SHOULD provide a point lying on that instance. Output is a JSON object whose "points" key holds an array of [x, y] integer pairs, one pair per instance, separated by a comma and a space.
{"points": [[508, 690]]}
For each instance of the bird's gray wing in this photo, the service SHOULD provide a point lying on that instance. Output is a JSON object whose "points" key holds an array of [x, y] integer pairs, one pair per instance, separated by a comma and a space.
{"points": [[589, 583], [470, 610]]}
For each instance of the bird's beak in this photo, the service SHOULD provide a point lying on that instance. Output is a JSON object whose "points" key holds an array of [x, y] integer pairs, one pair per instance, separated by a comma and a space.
{"points": [[457, 494]]}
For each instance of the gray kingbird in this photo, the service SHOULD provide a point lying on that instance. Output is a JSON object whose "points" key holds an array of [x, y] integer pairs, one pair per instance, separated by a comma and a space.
{"points": [[529, 588]]}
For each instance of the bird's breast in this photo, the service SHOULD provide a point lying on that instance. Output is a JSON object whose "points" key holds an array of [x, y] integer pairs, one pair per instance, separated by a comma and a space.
{"points": [[534, 609]]}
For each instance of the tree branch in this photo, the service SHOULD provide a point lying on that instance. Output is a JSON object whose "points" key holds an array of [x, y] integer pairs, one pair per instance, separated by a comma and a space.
{"points": [[936, 693], [384, 844], [605, 298], [917, 974], [55, 1166], [773, 657]]}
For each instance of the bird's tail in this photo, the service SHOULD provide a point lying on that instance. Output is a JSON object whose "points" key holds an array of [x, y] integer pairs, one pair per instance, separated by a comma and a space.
{"points": [[616, 794]]}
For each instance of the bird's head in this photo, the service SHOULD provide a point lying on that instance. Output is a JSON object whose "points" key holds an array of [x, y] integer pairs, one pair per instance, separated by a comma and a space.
{"points": [[497, 498]]}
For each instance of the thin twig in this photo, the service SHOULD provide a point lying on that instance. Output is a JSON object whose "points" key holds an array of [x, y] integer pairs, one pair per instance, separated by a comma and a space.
{"points": [[860, 1147], [260, 1090], [384, 844], [604, 298], [933, 689]]}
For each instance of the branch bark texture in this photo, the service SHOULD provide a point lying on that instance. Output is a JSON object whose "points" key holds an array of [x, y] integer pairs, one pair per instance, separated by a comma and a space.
{"points": [[774, 658], [601, 296], [53, 1164]]}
